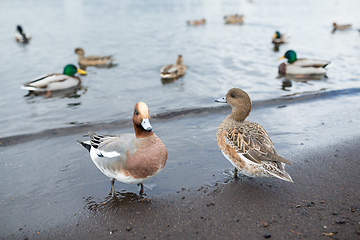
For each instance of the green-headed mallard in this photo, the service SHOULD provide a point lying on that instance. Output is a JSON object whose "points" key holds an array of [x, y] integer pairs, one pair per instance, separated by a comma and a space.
{"points": [[56, 81], [196, 22], [279, 38], [234, 19], [20, 36], [92, 60], [341, 27], [171, 71], [301, 66]]}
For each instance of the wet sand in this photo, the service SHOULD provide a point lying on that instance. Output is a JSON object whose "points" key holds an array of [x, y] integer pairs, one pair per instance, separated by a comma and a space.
{"points": [[323, 200], [67, 200]]}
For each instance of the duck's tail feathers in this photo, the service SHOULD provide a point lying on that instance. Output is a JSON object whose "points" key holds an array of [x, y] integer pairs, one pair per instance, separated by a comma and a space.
{"points": [[30, 88], [327, 65], [86, 144], [282, 175]]}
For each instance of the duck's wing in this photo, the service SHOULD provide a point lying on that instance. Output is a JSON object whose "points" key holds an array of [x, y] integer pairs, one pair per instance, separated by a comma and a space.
{"points": [[252, 142], [97, 58], [302, 62], [43, 81], [110, 146], [165, 68]]}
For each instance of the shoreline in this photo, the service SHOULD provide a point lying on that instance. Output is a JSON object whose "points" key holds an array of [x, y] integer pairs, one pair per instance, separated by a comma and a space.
{"points": [[174, 114]]}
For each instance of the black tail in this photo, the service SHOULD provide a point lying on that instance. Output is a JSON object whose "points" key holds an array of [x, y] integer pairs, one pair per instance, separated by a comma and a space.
{"points": [[86, 145]]}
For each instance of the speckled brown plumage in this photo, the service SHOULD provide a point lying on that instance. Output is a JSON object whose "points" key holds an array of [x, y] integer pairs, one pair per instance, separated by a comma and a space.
{"points": [[246, 144]]}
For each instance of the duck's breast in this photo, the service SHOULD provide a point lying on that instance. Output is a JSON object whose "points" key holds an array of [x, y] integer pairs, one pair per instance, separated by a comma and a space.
{"points": [[147, 158]]}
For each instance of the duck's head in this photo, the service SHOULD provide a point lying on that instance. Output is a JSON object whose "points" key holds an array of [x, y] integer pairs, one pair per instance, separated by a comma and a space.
{"points": [[290, 56], [179, 60], [240, 103], [203, 20], [70, 70], [141, 117], [79, 51], [19, 29], [277, 35]]}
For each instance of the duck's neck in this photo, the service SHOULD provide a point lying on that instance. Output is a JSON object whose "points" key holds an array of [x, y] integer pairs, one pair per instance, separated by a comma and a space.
{"points": [[240, 115], [140, 132]]}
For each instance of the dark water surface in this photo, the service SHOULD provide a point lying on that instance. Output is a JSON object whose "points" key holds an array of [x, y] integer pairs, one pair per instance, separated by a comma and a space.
{"points": [[144, 35]]}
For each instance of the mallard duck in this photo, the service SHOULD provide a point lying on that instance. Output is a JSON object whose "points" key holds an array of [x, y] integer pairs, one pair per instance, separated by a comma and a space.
{"points": [[341, 27], [171, 71], [129, 158], [93, 60], [301, 66], [20, 36], [279, 38], [56, 81], [246, 144], [234, 19], [196, 23]]}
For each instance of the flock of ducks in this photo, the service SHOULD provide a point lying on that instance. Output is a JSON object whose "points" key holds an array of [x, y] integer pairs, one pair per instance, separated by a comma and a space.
{"points": [[136, 157]]}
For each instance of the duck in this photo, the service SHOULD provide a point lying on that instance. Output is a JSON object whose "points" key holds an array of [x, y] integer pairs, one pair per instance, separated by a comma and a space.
{"points": [[196, 22], [129, 158], [93, 60], [301, 66], [279, 38], [55, 81], [173, 71], [246, 144], [20, 36], [340, 27], [234, 19]]}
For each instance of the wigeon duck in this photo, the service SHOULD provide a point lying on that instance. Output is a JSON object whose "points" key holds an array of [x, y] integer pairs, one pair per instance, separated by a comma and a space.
{"points": [[93, 60], [20, 36], [129, 158], [196, 23], [234, 19], [55, 81], [340, 27], [175, 71], [301, 66], [246, 144]]}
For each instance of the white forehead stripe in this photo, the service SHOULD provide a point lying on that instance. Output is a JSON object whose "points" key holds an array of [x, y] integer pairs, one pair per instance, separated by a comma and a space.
{"points": [[143, 109]]}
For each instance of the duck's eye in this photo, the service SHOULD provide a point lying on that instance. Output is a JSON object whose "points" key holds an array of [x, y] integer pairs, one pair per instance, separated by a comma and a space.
{"points": [[232, 95], [136, 112]]}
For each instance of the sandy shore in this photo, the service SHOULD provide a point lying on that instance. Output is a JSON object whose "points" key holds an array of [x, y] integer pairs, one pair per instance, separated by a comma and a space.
{"points": [[323, 201]]}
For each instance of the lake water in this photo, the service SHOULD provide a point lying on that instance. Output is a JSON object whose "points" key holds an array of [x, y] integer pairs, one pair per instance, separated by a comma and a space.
{"points": [[145, 35]]}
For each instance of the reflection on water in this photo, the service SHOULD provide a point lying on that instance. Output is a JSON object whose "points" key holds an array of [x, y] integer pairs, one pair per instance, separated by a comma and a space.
{"points": [[74, 92], [303, 77], [286, 84], [112, 204]]}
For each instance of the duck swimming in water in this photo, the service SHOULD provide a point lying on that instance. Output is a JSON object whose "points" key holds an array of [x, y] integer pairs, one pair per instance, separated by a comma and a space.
{"points": [[301, 66], [55, 81], [173, 71], [20, 36]]}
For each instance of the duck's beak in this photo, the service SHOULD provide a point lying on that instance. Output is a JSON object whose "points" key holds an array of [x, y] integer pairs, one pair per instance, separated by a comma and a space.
{"points": [[83, 72], [221, 100], [274, 36], [281, 57], [145, 123]]}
